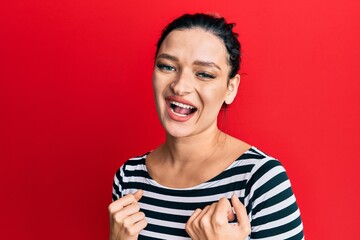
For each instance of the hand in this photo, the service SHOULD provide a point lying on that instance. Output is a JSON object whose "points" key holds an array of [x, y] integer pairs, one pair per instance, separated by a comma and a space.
{"points": [[126, 220], [213, 221]]}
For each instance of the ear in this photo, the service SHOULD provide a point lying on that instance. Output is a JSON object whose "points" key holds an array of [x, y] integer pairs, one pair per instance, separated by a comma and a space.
{"points": [[233, 85]]}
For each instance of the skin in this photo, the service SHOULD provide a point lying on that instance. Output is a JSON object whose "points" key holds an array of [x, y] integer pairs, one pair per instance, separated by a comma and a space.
{"points": [[126, 220], [211, 223], [181, 76], [191, 67]]}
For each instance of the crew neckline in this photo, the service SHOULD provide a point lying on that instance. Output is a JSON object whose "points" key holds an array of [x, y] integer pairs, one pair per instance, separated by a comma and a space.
{"points": [[202, 185]]}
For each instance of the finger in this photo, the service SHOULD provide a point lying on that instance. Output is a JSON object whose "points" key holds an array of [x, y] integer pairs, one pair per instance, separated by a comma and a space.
{"points": [[130, 209], [137, 217], [189, 228], [240, 211], [121, 203], [124, 201], [194, 215], [138, 194], [204, 220], [195, 224], [231, 215], [202, 213], [134, 218], [208, 214], [221, 214], [140, 225], [133, 229]]}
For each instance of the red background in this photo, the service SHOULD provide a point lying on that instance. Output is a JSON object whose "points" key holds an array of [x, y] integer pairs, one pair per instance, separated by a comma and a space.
{"points": [[76, 101]]}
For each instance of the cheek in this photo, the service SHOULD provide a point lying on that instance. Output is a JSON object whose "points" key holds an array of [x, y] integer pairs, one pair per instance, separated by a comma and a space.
{"points": [[161, 85], [156, 85], [159, 90], [215, 95]]}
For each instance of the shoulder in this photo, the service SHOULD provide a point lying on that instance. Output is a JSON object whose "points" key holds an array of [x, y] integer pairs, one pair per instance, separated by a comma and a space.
{"points": [[263, 166], [258, 162], [132, 164], [130, 169], [262, 171], [270, 201], [267, 178], [262, 162]]}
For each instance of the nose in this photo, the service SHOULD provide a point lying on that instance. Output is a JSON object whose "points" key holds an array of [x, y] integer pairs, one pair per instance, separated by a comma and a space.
{"points": [[182, 84]]}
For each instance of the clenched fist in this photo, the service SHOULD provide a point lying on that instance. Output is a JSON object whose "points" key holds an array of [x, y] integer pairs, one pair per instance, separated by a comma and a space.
{"points": [[126, 220], [212, 223]]}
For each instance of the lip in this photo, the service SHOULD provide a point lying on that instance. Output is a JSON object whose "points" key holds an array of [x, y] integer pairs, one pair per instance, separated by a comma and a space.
{"points": [[172, 115], [179, 99]]}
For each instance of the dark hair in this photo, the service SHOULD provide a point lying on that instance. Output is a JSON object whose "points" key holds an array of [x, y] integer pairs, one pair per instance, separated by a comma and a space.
{"points": [[216, 25]]}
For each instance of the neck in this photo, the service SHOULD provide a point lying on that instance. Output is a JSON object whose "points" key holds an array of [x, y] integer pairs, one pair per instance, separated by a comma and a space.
{"points": [[193, 150]]}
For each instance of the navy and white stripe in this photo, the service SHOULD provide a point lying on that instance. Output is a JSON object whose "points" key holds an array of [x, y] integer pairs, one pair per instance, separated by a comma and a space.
{"points": [[259, 181]]}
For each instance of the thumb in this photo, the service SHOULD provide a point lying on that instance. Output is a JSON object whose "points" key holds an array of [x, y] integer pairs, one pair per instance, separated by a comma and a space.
{"points": [[240, 211], [230, 214], [138, 194]]}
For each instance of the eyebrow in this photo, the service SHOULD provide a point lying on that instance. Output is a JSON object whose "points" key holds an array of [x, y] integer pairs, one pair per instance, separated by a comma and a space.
{"points": [[168, 56], [197, 62], [206, 64]]}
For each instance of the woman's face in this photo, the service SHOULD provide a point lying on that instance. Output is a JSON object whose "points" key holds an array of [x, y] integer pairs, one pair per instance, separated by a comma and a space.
{"points": [[191, 82]]}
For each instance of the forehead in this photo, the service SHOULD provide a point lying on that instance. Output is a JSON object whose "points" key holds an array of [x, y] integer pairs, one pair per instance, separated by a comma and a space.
{"points": [[195, 44]]}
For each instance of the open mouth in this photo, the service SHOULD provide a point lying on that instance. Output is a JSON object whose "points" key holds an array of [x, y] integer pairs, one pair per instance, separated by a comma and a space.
{"points": [[181, 109]]}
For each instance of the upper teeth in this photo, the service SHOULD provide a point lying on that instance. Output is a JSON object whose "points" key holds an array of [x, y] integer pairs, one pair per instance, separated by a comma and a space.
{"points": [[182, 105]]}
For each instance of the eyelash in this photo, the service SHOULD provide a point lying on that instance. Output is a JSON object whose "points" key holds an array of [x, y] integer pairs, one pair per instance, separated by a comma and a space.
{"points": [[168, 68], [165, 67], [205, 75]]}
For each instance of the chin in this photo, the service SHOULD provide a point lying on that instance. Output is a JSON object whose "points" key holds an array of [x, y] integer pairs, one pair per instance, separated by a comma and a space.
{"points": [[177, 131]]}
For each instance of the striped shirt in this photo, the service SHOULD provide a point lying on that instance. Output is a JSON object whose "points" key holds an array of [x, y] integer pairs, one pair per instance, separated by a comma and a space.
{"points": [[259, 181]]}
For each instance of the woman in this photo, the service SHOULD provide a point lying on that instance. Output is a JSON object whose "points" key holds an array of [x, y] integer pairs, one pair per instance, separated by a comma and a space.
{"points": [[201, 183]]}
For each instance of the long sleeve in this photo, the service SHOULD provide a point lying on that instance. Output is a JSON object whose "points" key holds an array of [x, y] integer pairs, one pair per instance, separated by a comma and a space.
{"points": [[116, 188]]}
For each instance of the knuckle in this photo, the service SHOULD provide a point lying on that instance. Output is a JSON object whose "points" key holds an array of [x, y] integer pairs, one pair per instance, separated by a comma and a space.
{"points": [[188, 226], [137, 207], [144, 223], [117, 218], [217, 220], [204, 222], [131, 197], [131, 231], [223, 200], [126, 223], [246, 229], [110, 208], [196, 213], [195, 224]]}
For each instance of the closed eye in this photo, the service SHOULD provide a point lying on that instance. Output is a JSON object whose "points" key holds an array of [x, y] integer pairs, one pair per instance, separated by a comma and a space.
{"points": [[205, 75], [165, 68]]}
